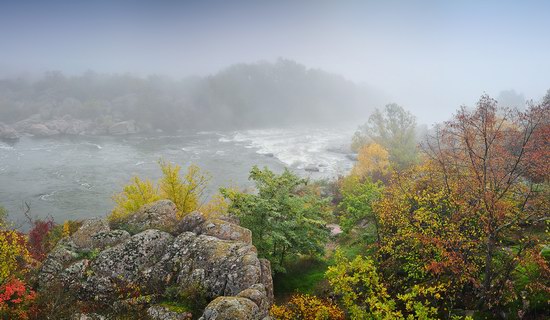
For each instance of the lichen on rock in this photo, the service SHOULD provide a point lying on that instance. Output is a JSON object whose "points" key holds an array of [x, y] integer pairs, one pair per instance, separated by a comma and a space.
{"points": [[102, 264]]}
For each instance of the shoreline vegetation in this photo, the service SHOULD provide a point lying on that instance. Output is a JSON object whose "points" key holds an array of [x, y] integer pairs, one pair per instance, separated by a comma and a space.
{"points": [[240, 96], [455, 227]]}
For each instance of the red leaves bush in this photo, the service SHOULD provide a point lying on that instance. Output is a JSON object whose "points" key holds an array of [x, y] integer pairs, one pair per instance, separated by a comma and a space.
{"points": [[16, 299], [38, 235]]}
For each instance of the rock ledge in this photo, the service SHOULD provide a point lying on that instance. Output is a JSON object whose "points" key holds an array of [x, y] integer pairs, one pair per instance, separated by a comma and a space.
{"points": [[101, 264]]}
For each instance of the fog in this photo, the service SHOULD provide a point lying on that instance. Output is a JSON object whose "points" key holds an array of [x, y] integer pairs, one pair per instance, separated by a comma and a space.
{"points": [[429, 56], [242, 96]]}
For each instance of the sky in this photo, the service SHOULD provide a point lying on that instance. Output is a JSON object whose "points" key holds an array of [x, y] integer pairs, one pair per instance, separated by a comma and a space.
{"points": [[429, 56]]}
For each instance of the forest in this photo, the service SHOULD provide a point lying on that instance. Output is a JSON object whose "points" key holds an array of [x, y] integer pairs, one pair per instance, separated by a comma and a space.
{"points": [[240, 96], [455, 227]]}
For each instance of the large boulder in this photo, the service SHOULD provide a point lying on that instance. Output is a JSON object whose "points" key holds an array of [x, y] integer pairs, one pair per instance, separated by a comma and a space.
{"points": [[23, 125], [59, 125], [37, 126], [40, 130], [161, 215], [101, 264], [221, 267], [88, 316], [83, 237], [123, 127], [231, 308], [311, 168], [68, 125], [222, 229], [266, 279], [191, 222], [7, 132], [121, 268], [79, 127]]}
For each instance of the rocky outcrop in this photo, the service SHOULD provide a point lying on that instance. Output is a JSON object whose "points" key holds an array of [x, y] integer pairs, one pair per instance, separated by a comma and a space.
{"points": [[39, 129], [123, 127], [88, 316], [69, 125], [161, 215], [99, 263], [221, 229], [7, 132], [23, 125], [44, 126], [311, 168], [230, 308], [37, 126], [163, 313]]}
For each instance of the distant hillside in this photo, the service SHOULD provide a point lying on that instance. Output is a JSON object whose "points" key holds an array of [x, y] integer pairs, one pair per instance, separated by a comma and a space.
{"points": [[241, 96]]}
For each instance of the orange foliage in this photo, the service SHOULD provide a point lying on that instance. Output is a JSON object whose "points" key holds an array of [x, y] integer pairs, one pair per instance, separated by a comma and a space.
{"points": [[373, 161], [16, 299], [306, 307], [445, 221]]}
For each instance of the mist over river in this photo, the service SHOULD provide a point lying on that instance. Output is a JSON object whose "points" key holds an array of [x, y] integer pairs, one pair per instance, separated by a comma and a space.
{"points": [[74, 177]]}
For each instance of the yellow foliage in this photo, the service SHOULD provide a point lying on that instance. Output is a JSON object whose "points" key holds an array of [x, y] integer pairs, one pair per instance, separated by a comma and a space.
{"points": [[306, 307], [66, 229], [216, 207], [363, 292], [365, 296], [372, 160], [133, 196], [13, 253], [186, 194]]}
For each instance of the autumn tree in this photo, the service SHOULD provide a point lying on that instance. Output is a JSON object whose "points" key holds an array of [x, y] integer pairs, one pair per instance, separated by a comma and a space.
{"points": [[361, 188], [186, 193], [357, 198], [217, 207], [546, 99], [133, 196], [16, 296], [465, 220], [364, 294], [373, 161], [306, 307], [394, 128], [538, 150], [424, 238], [484, 158]]}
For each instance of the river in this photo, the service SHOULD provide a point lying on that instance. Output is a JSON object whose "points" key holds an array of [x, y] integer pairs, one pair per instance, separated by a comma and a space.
{"points": [[74, 177]]}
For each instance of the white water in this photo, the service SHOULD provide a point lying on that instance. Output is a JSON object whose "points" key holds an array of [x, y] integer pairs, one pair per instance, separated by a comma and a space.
{"points": [[299, 147], [75, 177]]}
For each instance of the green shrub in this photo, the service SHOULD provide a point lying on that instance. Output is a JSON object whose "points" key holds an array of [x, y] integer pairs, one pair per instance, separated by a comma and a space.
{"points": [[193, 298], [285, 217]]}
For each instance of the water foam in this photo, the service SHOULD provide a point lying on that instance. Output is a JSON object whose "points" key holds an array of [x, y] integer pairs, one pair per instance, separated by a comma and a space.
{"points": [[298, 147], [94, 145], [5, 147], [47, 196]]}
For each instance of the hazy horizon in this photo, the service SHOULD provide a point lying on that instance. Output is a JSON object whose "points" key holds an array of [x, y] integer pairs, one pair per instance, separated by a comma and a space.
{"points": [[427, 56]]}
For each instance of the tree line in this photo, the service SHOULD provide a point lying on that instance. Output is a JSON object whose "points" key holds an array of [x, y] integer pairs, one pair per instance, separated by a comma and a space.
{"points": [[240, 96]]}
